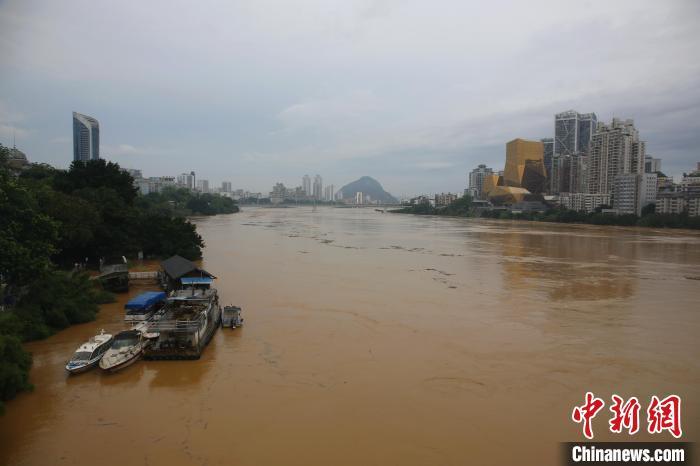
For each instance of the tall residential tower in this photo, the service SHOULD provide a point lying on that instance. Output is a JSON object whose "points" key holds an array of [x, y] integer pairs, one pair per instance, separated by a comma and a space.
{"points": [[615, 150]]}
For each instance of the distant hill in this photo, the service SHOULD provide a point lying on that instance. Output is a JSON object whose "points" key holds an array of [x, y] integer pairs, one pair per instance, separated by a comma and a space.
{"points": [[368, 186]]}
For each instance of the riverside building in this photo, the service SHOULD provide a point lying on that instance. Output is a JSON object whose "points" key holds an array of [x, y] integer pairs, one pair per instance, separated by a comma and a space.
{"points": [[615, 150], [476, 181], [86, 138]]}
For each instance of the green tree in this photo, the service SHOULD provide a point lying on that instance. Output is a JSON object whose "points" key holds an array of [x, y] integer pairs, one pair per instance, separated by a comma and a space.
{"points": [[27, 236], [97, 174], [14, 368]]}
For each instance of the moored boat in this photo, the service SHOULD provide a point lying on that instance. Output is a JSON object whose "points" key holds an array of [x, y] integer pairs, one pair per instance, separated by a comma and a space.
{"points": [[89, 353], [231, 317], [143, 306], [127, 348]]}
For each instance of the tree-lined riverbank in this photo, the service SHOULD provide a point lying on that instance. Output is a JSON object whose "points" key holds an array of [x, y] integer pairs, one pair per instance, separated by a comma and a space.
{"points": [[463, 207], [51, 220]]}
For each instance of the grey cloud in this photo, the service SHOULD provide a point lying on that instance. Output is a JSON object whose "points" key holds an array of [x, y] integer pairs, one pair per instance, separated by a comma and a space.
{"points": [[411, 92]]}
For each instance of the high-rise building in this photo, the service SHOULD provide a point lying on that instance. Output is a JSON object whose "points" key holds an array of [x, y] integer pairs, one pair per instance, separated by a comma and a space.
{"points": [[306, 185], [328, 193], [86, 138], [615, 150], [225, 186], [573, 132], [203, 186], [525, 165], [633, 191], [651, 165], [648, 188], [186, 180], [569, 174], [587, 123], [476, 181], [278, 193], [548, 144], [318, 187]]}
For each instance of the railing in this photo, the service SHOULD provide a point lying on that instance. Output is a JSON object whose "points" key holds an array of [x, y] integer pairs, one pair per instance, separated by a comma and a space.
{"points": [[143, 275], [184, 326]]}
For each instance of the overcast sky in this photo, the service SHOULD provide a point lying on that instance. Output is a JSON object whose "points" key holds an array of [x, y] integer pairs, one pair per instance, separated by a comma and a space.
{"points": [[414, 94]]}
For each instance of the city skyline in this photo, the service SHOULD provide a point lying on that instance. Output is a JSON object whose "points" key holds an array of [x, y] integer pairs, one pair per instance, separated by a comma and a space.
{"points": [[393, 118]]}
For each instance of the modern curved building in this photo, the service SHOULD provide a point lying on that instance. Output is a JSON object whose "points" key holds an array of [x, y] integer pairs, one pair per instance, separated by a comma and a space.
{"points": [[86, 138]]}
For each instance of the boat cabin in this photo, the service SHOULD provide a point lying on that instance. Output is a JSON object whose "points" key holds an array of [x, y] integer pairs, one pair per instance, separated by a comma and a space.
{"points": [[176, 269], [143, 306]]}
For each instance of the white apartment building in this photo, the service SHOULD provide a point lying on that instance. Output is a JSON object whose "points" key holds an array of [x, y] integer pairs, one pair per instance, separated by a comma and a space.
{"points": [[476, 180], [615, 150], [583, 202]]}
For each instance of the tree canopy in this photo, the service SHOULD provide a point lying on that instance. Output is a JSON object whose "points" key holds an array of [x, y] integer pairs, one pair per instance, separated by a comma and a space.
{"points": [[51, 219]]}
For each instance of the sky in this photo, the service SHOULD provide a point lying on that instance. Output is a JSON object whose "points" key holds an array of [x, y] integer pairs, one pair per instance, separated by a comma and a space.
{"points": [[412, 93]]}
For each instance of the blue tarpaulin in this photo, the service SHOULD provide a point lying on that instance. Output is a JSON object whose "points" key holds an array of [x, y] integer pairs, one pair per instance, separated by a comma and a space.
{"points": [[145, 300], [196, 281]]}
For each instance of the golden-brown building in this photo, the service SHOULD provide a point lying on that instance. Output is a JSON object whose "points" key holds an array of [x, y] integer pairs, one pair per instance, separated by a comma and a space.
{"points": [[524, 173], [525, 165]]}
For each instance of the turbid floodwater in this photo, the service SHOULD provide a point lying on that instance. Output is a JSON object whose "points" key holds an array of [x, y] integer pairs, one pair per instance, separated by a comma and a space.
{"points": [[385, 339]]}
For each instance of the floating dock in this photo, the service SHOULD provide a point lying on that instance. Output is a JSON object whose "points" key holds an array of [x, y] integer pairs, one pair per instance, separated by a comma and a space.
{"points": [[185, 325]]}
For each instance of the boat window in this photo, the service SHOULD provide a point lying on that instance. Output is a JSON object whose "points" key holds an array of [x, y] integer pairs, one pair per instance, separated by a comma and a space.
{"points": [[82, 356], [125, 342]]}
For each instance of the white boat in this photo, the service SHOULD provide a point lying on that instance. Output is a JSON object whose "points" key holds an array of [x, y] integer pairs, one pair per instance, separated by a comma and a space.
{"points": [[126, 349], [89, 353]]}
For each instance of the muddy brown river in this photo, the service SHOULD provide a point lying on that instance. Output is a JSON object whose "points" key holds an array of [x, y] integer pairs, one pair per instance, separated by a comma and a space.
{"points": [[381, 339]]}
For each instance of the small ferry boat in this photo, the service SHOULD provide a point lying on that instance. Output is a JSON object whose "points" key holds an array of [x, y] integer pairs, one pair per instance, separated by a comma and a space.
{"points": [[127, 348], [89, 353], [143, 306]]}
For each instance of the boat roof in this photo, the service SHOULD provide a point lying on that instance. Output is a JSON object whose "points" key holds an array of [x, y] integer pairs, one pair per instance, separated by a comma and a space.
{"points": [[146, 299], [177, 266], [196, 280]]}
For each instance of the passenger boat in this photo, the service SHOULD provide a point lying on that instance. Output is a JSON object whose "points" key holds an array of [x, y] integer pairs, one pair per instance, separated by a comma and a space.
{"points": [[127, 348], [89, 353], [143, 306]]}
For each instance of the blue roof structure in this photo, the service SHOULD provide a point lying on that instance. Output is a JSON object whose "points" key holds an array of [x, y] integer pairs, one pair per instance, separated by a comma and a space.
{"points": [[196, 280], [145, 300]]}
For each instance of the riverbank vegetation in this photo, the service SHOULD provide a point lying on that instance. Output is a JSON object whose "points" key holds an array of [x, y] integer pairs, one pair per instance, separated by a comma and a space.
{"points": [[183, 202], [50, 221], [462, 207], [648, 219]]}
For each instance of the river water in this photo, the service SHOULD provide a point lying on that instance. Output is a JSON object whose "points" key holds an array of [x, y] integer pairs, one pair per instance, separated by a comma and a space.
{"points": [[375, 338]]}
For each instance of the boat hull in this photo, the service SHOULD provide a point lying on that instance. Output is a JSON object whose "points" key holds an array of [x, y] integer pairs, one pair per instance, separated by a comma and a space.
{"points": [[122, 364], [83, 368]]}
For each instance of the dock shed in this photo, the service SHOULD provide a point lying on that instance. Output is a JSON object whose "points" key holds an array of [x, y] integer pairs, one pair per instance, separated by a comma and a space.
{"points": [[177, 271]]}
